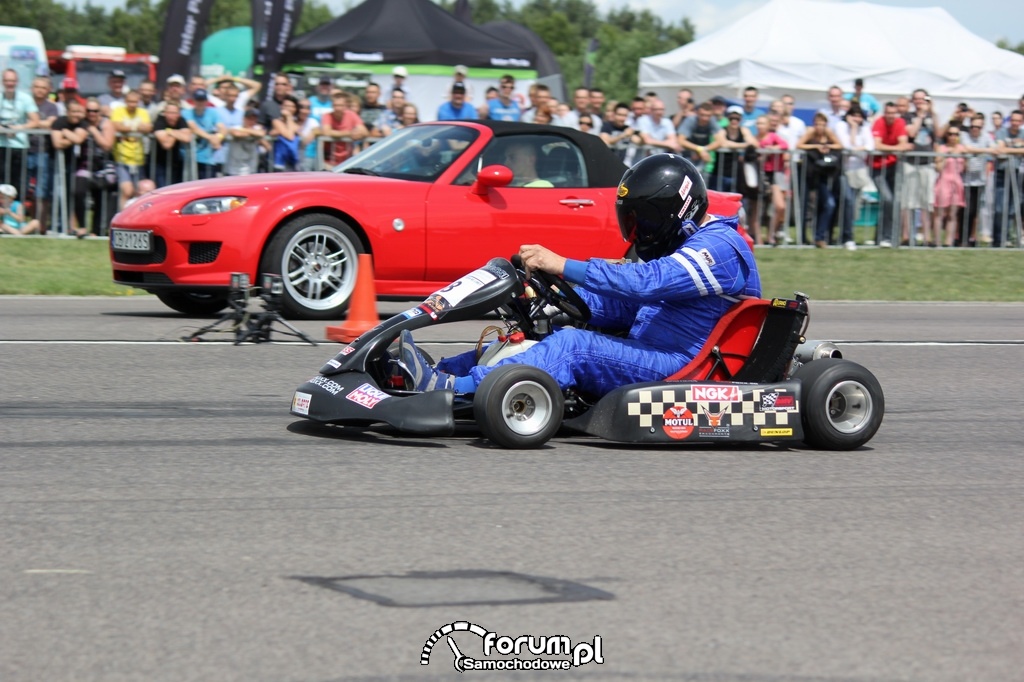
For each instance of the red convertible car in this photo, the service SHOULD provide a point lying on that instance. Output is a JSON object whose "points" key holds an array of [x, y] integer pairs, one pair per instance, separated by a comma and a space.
{"points": [[430, 202]]}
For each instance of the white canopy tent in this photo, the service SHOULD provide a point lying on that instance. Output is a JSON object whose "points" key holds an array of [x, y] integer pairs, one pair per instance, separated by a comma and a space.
{"points": [[802, 47]]}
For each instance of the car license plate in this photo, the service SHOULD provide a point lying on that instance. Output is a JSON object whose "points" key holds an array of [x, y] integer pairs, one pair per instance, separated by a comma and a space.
{"points": [[131, 240]]}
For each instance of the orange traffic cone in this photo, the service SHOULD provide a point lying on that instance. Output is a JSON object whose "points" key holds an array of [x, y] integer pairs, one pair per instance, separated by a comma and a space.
{"points": [[362, 309]]}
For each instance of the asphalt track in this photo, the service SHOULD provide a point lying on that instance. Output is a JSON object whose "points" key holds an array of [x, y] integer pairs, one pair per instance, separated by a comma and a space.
{"points": [[163, 517]]}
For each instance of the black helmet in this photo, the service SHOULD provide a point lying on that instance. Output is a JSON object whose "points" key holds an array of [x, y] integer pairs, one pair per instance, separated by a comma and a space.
{"points": [[662, 201]]}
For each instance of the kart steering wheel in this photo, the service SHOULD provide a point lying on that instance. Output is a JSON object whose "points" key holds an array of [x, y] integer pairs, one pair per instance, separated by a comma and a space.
{"points": [[555, 291]]}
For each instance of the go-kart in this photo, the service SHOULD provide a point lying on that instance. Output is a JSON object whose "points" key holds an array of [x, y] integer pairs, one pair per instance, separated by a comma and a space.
{"points": [[757, 379]]}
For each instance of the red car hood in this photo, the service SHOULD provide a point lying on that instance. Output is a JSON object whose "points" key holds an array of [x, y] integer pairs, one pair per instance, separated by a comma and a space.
{"points": [[277, 182]]}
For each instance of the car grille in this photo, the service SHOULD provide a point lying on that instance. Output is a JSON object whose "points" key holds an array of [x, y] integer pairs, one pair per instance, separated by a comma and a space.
{"points": [[141, 278], [200, 253], [158, 255]]}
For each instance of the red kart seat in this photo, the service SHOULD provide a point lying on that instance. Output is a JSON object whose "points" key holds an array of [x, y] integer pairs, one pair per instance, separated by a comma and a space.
{"points": [[754, 341], [724, 203]]}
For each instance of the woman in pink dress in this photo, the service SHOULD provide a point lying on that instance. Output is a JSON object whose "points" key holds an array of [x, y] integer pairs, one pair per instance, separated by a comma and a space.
{"points": [[949, 187]]}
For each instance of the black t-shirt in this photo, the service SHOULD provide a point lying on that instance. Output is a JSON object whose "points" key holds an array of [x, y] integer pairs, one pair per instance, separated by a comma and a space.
{"points": [[173, 155], [73, 156], [373, 116]]}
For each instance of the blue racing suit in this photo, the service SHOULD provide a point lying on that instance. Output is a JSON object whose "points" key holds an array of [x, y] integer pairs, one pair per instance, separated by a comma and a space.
{"points": [[669, 305]]}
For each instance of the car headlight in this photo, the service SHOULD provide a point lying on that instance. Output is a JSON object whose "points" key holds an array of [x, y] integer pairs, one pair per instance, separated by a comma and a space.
{"points": [[211, 205]]}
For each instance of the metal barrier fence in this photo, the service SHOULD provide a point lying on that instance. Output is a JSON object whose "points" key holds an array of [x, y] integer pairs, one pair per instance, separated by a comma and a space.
{"points": [[789, 198], [78, 188]]}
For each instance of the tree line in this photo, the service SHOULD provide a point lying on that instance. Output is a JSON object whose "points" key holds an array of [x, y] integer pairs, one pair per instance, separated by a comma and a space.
{"points": [[567, 26]]}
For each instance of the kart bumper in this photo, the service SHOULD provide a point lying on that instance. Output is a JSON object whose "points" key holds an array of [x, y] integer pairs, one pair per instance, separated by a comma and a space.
{"points": [[354, 399]]}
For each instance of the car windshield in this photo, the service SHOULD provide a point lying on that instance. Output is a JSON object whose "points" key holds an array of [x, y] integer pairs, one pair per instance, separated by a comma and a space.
{"points": [[420, 153]]}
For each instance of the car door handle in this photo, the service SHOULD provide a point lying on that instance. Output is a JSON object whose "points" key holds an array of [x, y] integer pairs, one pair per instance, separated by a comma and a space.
{"points": [[576, 203]]}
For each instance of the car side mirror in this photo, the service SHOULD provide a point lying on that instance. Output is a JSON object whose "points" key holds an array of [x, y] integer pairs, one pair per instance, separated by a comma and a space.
{"points": [[492, 176]]}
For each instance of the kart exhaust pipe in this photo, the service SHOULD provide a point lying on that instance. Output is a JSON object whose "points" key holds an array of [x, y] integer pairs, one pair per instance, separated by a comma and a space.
{"points": [[815, 350]]}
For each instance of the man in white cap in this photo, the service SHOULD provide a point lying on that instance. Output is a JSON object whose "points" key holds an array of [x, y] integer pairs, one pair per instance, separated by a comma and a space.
{"points": [[174, 93], [400, 74], [459, 76]]}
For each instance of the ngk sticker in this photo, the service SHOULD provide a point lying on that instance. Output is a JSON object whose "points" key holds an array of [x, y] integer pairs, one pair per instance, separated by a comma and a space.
{"points": [[679, 422], [715, 394]]}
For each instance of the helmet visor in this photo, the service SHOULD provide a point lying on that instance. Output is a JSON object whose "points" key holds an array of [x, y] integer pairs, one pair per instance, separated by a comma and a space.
{"points": [[647, 229]]}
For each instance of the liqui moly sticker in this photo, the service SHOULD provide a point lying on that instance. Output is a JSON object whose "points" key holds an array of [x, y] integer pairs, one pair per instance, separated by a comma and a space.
{"points": [[367, 395]]}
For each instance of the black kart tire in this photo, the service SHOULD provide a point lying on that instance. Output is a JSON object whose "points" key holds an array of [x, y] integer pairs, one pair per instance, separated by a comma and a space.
{"points": [[842, 404], [193, 302], [518, 407], [317, 256]]}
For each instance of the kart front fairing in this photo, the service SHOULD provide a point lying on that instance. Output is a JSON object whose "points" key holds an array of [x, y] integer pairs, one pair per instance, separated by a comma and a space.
{"points": [[352, 388]]}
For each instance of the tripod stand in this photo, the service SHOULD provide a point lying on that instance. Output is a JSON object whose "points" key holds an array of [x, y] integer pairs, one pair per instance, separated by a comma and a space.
{"points": [[247, 326]]}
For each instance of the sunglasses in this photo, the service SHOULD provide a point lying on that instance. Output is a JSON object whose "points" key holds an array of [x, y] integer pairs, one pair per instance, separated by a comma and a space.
{"points": [[586, 123], [92, 111]]}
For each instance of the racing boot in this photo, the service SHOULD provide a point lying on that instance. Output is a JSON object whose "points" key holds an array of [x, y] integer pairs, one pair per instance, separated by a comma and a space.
{"points": [[420, 376]]}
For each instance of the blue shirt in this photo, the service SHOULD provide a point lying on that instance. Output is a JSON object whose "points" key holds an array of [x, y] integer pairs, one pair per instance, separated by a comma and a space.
{"points": [[867, 102], [231, 119], [749, 121], [318, 107], [503, 112], [9, 216], [446, 112], [15, 112], [207, 123]]}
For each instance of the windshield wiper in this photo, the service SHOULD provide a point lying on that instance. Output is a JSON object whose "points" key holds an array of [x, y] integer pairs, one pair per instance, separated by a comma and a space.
{"points": [[361, 171]]}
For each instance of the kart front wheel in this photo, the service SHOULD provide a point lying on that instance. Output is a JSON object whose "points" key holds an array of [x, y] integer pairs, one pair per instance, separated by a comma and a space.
{"points": [[518, 406], [842, 404]]}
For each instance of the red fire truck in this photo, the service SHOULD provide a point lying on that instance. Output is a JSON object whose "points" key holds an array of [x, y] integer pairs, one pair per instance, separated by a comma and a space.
{"points": [[91, 64]]}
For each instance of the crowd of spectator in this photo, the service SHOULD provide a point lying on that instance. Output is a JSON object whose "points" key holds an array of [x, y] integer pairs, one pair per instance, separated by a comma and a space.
{"points": [[946, 181]]}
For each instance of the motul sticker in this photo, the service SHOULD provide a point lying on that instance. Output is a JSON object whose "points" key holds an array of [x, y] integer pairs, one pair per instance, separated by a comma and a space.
{"points": [[715, 394], [679, 422], [367, 395], [300, 402]]}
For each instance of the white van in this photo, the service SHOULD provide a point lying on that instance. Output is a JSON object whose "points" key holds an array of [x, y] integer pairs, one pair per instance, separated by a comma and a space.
{"points": [[22, 49]]}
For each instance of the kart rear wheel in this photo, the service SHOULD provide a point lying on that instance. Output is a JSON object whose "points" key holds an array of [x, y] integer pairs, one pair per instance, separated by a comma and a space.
{"points": [[518, 406], [198, 303], [842, 404]]}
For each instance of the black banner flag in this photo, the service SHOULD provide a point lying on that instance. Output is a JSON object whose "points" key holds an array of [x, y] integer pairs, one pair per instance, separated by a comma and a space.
{"points": [[273, 25], [182, 39]]}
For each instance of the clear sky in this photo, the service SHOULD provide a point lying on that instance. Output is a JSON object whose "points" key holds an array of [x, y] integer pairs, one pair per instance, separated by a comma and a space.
{"points": [[990, 19]]}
